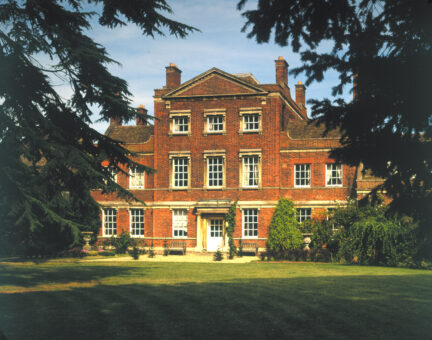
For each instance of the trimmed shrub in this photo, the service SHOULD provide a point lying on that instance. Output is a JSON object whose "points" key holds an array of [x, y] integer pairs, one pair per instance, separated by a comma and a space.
{"points": [[218, 256], [284, 232], [230, 218]]}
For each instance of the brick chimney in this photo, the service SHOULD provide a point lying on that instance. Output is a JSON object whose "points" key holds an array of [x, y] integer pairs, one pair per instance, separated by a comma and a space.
{"points": [[300, 97], [115, 121], [281, 71], [140, 120], [173, 76]]}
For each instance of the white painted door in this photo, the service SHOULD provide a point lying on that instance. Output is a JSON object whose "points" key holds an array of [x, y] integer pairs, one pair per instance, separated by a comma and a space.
{"points": [[214, 233]]}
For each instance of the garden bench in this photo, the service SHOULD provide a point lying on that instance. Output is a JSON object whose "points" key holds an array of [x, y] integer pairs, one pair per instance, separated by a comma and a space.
{"points": [[177, 245], [250, 246]]}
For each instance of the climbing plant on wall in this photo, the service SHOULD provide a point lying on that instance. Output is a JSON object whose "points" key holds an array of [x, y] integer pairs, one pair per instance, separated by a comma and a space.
{"points": [[230, 218]]}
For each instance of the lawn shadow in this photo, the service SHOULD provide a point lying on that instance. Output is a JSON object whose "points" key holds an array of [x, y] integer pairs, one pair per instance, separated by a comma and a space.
{"points": [[333, 307]]}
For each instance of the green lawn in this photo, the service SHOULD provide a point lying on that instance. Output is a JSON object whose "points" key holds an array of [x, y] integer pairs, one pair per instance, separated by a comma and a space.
{"points": [[139, 300]]}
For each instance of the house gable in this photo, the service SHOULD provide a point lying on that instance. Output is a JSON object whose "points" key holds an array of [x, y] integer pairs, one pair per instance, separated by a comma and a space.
{"points": [[215, 83]]}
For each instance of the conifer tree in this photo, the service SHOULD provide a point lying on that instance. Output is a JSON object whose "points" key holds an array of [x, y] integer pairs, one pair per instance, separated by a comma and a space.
{"points": [[387, 47], [284, 229], [50, 157]]}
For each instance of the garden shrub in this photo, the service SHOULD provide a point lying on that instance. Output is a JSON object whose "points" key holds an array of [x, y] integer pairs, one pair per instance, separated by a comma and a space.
{"points": [[218, 256], [379, 240], [123, 242], [284, 232]]}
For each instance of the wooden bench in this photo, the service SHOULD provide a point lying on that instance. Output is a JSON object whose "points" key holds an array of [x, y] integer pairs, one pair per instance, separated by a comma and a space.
{"points": [[250, 246], [177, 245]]}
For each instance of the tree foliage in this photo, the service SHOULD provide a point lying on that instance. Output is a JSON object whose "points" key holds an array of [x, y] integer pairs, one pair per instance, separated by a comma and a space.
{"points": [[387, 47], [284, 232], [50, 156]]}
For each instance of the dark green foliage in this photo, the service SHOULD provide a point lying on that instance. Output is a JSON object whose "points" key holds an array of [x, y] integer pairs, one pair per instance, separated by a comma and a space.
{"points": [[122, 242], [387, 47], [313, 255], [284, 232], [379, 240], [218, 256], [135, 253], [50, 157], [368, 235], [230, 219]]}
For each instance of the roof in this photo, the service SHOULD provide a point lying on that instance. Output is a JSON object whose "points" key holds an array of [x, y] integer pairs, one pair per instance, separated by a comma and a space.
{"points": [[249, 77], [300, 129], [132, 134]]}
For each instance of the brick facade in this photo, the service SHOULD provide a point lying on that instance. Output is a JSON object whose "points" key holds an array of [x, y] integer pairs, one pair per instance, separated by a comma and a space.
{"points": [[256, 134]]}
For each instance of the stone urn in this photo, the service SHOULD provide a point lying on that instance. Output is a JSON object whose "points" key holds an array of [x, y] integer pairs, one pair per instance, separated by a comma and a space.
{"points": [[306, 240], [87, 238]]}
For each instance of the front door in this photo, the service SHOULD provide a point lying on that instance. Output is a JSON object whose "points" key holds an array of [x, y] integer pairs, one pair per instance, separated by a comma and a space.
{"points": [[214, 233]]}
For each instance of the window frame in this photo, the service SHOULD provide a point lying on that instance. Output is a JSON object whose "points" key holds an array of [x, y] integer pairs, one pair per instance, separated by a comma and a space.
{"points": [[176, 155], [328, 174], [179, 114], [303, 217], [309, 177], [208, 113], [176, 225], [104, 222], [244, 223], [132, 176], [251, 111], [132, 222], [243, 154]]}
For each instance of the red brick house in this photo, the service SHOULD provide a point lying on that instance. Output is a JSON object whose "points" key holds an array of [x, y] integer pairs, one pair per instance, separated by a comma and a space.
{"points": [[220, 138]]}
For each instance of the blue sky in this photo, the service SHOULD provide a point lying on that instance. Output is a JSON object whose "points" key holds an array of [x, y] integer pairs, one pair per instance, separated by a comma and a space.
{"points": [[220, 44]]}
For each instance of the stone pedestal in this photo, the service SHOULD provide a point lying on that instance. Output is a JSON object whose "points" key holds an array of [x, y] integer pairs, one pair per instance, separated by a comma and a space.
{"points": [[87, 238], [306, 241]]}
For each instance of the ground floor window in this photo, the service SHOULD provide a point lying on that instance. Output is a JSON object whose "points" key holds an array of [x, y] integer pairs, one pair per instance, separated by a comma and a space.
{"points": [[250, 223], [304, 214], [110, 221], [137, 222], [179, 223]]}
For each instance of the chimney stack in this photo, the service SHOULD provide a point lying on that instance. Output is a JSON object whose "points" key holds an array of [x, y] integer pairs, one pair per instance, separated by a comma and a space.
{"points": [[281, 71], [115, 121], [173, 76], [141, 120], [300, 97]]}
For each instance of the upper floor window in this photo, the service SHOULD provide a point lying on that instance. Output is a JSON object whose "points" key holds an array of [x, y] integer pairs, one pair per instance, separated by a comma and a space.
{"points": [[215, 173], [179, 223], [109, 222], [302, 175], [137, 222], [181, 124], [215, 124], [180, 172], [250, 223], [250, 171], [333, 174], [136, 179], [250, 123], [303, 214], [251, 120]]}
